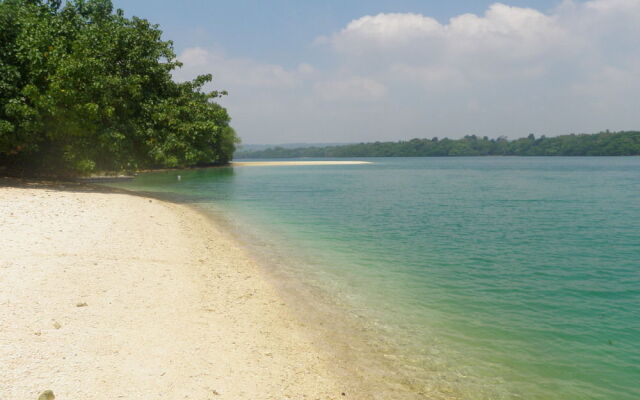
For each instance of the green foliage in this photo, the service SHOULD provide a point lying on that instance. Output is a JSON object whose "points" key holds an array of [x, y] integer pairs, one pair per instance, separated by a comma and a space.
{"points": [[600, 144], [83, 89]]}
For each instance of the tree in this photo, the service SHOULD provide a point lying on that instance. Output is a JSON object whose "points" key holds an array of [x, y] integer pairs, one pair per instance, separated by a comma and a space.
{"points": [[85, 89], [600, 144]]}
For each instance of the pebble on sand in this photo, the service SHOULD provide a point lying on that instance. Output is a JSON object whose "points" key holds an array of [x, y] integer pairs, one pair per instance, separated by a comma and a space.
{"points": [[47, 395]]}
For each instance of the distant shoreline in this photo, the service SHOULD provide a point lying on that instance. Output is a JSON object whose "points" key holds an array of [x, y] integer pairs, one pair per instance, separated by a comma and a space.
{"points": [[294, 163], [624, 143]]}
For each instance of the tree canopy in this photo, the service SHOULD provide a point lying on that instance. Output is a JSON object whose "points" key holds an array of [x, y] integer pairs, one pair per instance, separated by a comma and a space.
{"points": [[85, 89], [600, 144]]}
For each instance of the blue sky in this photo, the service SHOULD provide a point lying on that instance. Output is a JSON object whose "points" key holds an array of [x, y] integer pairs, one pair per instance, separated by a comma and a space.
{"points": [[343, 71], [281, 31]]}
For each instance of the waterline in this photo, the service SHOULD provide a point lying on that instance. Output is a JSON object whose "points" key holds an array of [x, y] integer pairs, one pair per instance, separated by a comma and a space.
{"points": [[487, 278]]}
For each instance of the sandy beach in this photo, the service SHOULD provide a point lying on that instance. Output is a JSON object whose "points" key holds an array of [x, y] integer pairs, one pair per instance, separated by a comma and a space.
{"points": [[116, 296], [293, 163]]}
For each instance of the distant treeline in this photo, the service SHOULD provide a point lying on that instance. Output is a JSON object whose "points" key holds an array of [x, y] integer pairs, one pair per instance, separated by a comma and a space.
{"points": [[599, 144]]}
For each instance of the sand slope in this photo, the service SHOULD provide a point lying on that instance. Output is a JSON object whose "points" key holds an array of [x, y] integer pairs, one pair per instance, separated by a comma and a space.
{"points": [[174, 308]]}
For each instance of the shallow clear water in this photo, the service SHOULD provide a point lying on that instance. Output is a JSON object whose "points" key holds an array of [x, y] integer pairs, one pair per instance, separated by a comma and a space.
{"points": [[492, 277]]}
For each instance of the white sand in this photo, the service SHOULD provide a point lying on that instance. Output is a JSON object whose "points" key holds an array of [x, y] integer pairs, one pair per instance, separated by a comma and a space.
{"points": [[291, 163], [174, 308]]}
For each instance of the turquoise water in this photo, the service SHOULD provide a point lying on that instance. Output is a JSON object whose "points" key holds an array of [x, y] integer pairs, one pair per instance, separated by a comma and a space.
{"points": [[514, 278]]}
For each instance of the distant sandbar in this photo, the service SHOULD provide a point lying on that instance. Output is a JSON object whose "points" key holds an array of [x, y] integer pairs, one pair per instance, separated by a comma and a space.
{"points": [[274, 163]]}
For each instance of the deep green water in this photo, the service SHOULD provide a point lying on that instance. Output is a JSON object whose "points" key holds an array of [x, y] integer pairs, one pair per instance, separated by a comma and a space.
{"points": [[493, 277]]}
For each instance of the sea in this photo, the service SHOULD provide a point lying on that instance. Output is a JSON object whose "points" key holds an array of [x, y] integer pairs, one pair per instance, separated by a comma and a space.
{"points": [[472, 277]]}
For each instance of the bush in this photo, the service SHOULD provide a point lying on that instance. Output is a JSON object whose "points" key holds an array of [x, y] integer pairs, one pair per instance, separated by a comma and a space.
{"points": [[84, 89]]}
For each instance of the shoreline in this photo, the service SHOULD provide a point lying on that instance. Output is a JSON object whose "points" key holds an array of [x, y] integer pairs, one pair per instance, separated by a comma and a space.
{"points": [[294, 163], [196, 316], [360, 353]]}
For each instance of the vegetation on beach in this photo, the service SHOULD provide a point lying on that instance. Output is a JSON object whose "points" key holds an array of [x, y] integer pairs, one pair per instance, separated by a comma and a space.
{"points": [[85, 89], [600, 144]]}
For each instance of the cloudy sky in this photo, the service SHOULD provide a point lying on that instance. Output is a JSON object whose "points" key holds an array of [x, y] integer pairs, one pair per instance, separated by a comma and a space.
{"points": [[366, 70]]}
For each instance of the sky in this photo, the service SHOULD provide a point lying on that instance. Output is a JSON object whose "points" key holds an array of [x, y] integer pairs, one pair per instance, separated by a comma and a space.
{"points": [[367, 70]]}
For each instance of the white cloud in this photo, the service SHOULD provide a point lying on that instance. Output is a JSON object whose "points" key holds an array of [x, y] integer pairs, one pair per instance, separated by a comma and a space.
{"points": [[613, 6], [500, 26], [236, 72], [390, 28], [430, 76], [351, 89], [504, 41], [306, 69], [510, 70], [508, 32]]}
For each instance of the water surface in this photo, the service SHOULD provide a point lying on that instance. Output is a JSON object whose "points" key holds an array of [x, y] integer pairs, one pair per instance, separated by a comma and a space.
{"points": [[492, 277]]}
